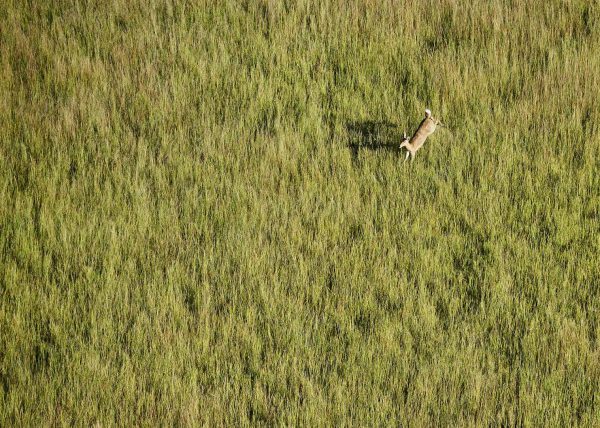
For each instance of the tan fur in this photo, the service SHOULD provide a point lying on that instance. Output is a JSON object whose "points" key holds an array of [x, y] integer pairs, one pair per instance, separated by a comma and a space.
{"points": [[425, 129]]}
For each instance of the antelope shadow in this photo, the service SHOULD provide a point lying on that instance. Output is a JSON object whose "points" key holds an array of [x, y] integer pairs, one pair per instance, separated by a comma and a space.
{"points": [[374, 136]]}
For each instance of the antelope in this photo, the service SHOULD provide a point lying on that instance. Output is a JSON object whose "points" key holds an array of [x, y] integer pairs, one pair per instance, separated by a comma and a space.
{"points": [[424, 130]]}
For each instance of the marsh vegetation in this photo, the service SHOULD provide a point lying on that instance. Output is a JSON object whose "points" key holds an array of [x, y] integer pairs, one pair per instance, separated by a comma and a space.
{"points": [[205, 219]]}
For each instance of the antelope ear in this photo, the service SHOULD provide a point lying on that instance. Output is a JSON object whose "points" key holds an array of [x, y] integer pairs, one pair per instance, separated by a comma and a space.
{"points": [[427, 112], [404, 135]]}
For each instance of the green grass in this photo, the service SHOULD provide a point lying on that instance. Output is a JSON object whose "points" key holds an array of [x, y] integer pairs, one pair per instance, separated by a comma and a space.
{"points": [[203, 219]]}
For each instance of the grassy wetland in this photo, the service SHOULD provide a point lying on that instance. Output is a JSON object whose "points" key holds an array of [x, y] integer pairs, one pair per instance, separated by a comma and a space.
{"points": [[205, 218]]}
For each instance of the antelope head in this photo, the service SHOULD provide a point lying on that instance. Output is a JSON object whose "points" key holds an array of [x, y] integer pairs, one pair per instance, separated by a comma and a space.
{"points": [[429, 116]]}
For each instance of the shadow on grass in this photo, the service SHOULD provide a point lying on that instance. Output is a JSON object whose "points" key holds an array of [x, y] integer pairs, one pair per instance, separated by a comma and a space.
{"points": [[373, 136]]}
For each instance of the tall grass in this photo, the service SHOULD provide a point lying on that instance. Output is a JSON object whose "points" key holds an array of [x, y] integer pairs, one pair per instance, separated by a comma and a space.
{"points": [[204, 218]]}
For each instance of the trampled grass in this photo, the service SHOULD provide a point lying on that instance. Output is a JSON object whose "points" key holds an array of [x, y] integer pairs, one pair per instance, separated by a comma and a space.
{"points": [[204, 217]]}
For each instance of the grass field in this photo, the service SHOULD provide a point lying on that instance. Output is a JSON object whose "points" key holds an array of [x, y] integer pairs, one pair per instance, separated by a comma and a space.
{"points": [[205, 218]]}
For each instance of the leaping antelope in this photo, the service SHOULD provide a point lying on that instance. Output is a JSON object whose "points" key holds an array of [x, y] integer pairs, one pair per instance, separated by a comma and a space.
{"points": [[425, 129]]}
